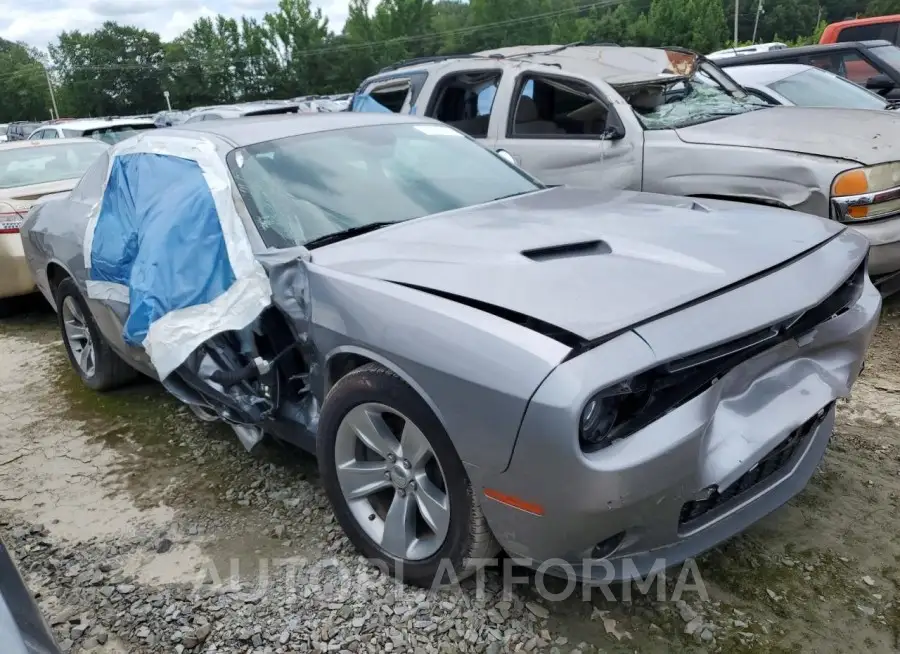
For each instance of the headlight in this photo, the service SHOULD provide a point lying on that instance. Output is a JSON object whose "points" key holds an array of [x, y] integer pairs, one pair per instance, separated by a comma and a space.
{"points": [[608, 409], [867, 193]]}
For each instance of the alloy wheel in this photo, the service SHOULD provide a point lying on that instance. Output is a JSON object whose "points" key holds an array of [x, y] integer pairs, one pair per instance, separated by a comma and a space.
{"points": [[78, 336], [392, 481]]}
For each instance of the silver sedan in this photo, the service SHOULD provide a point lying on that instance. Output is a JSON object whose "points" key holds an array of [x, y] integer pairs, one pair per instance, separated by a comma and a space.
{"points": [[603, 380], [798, 85]]}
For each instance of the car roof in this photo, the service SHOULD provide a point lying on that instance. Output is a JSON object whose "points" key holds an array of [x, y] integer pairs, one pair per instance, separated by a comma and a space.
{"points": [[788, 53], [765, 74], [14, 145], [258, 129], [614, 64], [97, 123]]}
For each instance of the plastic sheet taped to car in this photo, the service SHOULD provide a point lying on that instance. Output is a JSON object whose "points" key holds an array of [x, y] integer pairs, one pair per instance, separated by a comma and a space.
{"points": [[166, 239], [366, 103]]}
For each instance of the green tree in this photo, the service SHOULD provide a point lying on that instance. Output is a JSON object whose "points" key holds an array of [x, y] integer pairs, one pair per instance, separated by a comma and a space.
{"points": [[25, 96], [115, 70], [297, 36], [697, 24]]}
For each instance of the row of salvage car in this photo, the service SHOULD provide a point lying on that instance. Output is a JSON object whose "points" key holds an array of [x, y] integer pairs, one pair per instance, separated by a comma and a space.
{"points": [[454, 338], [667, 121]]}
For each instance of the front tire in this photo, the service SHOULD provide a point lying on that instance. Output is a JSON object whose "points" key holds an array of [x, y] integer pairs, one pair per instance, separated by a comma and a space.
{"points": [[396, 483], [99, 367]]}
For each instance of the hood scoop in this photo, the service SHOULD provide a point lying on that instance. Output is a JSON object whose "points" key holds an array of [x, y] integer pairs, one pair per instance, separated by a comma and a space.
{"points": [[568, 251]]}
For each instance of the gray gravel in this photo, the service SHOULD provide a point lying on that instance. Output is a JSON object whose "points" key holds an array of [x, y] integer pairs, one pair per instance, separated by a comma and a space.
{"points": [[141, 530]]}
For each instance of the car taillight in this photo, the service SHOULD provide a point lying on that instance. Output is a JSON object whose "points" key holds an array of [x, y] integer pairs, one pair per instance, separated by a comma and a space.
{"points": [[10, 222]]}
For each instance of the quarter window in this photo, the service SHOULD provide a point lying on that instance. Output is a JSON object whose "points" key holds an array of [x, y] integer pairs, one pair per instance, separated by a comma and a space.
{"points": [[392, 96]]}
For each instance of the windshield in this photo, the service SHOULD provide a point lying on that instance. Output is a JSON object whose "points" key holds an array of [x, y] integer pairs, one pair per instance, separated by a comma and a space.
{"points": [[48, 163], [817, 88], [690, 100], [112, 134], [305, 187]]}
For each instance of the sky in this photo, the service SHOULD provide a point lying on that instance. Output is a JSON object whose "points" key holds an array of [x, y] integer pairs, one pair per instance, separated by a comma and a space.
{"points": [[41, 22]]}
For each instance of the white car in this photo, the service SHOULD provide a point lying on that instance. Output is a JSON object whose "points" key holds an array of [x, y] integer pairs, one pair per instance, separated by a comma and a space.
{"points": [[746, 50], [108, 130], [804, 86], [3, 137]]}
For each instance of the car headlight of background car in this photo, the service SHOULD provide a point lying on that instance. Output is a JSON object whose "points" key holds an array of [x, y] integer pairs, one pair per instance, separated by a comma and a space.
{"points": [[866, 193]]}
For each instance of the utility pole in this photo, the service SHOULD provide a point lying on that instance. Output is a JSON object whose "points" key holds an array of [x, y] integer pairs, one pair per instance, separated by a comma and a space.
{"points": [[168, 103], [52, 94], [737, 9], [759, 10]]}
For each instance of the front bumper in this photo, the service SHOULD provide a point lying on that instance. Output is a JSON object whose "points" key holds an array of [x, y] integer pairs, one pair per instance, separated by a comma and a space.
{"points": [[15, 278], [638, 492]]}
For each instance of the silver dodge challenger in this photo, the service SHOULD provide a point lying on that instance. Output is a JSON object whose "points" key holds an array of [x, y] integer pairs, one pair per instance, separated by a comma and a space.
{"points": [[595, 382]]}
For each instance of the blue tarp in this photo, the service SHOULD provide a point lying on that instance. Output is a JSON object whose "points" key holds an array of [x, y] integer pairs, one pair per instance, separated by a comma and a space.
{"points": [[158, 233], [167, 241], [366, 103]]}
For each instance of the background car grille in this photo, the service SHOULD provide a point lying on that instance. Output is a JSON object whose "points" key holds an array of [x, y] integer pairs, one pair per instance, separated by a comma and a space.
{"points": [[774, 461]]}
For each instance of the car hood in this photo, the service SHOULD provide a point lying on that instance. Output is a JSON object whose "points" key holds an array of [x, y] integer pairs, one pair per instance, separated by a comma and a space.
{"points": [[640, 254], [861, 135]]}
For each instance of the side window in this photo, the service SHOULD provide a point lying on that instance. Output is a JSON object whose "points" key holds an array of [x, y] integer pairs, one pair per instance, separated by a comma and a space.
{"points": [[846, 64], [885, 31], [40, 135], [464, 100], [211, 117], [855, 68], [51, 134], [556, 107]]}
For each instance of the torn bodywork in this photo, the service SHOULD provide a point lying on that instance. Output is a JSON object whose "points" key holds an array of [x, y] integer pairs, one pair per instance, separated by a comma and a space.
{"points": [[258, 379]]}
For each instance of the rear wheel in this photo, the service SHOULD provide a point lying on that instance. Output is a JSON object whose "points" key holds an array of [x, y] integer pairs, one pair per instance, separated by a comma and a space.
{"points": [[396, 483], [92, 358]]}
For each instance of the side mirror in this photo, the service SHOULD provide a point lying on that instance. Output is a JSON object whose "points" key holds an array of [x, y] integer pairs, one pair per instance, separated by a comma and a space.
{"points": [[880, 83], [507, 157], [613, 133]]}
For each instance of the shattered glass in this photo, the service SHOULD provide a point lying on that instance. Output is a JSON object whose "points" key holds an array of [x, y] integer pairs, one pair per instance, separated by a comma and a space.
{"points": [[686, 101]]}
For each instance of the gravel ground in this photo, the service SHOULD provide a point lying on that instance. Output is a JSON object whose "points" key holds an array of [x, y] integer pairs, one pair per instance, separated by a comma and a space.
{"points": [[141, 529]]}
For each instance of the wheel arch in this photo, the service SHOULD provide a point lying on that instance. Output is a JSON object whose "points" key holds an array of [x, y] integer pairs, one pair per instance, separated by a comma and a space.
{"points": [[56, 273], [347, 358]]}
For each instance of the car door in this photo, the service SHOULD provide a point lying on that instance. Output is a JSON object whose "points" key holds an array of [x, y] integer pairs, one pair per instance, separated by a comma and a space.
{"points": [[562, 129], [109, 314]]}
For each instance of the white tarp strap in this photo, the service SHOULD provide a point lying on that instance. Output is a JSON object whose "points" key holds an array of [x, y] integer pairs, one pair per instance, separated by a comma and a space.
{"points": [[173, 337]]}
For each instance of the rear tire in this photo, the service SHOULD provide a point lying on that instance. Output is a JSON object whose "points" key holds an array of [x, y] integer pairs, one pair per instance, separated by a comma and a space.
{"points": [[452, 537], [99, 367]]}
